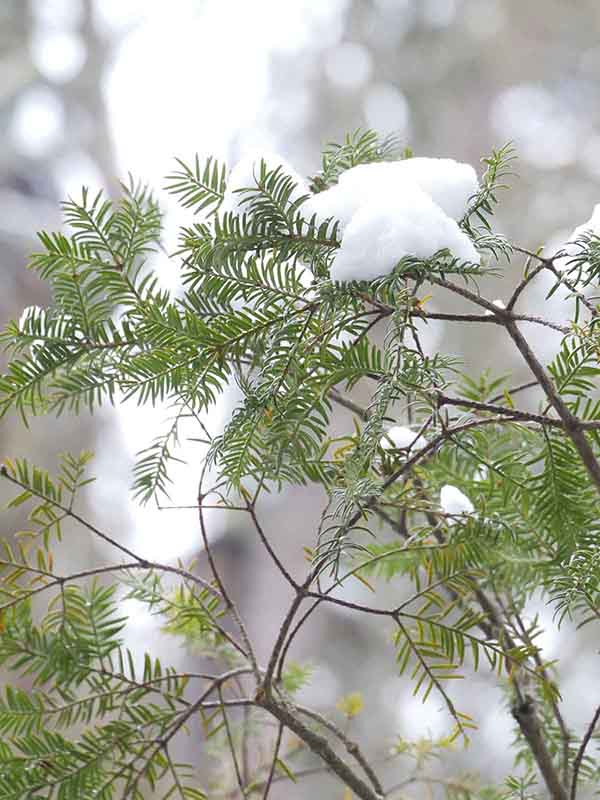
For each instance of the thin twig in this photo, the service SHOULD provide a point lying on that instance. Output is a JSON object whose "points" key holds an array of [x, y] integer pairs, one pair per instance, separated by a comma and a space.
{"points": [[320, 747], [513, 390], [351, 747], [581, 752], [524, 284], [273, 762], [234, 757], [572, 426], [267, 545], [232, 608]]}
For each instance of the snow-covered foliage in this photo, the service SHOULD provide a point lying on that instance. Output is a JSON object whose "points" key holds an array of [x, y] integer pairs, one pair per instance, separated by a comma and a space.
{"points": [[385, 210], [390, 210]]}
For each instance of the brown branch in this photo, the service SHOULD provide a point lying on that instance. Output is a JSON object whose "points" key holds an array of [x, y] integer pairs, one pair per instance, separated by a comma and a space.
{"points": [[477, 299], [231, 607], [529, 723], [163, 741], [525, 283], [345, 402], [271, 775], [493, 319], [352, 747], [524, 713], [230, 742], [493, 627], [280, 642], [514, 390], [267, 545], [564, 732], [572, 426], [292, 636], [474, 405], [419, 455], [581, 752], [69, 512], [320, 747]]}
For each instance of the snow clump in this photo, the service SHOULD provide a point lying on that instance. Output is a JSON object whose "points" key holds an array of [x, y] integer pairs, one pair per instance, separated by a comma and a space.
{"points": [[392, 227], [449, 183], [389, 210], [453, 501], [401, 438]]}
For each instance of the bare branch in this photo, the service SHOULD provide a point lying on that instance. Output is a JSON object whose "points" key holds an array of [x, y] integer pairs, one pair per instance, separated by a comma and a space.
{"points": [[581, 752]]}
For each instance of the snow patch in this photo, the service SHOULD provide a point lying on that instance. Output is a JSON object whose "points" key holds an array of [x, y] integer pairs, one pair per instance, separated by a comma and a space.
{"points": [[332, 204], [392, 209], [392, 226], [450, 184], [570, 248], [401, 438], [453, 501]]}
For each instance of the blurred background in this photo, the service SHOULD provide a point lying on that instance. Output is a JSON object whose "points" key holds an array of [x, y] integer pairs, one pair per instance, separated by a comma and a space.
{"points": [[93, 89]]}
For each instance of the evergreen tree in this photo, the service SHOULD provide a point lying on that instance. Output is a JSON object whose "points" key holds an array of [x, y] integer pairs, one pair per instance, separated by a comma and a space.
{"points": [[480, 505]]}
